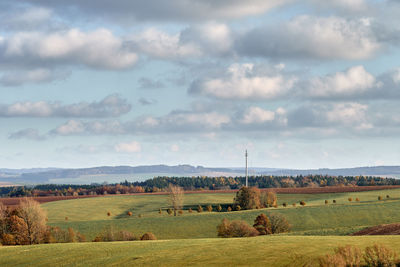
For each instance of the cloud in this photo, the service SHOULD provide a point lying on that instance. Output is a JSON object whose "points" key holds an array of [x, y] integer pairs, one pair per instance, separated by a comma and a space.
{"points": [[132, 147], [349, 6], [309, 37], [25, 18], [110, 106], [241, 81], [98, 49], [174, 10], [147, 83], [39, 75], [355, 81], [76, 127], [28, 133], [146, 102]]}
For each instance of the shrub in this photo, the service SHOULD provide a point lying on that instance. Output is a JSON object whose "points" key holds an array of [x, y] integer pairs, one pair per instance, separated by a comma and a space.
{"points": [[169, 211], [326, 202], [248, 198], [140, 215], [344, 256], [334, 201], [294, 204], [357, 199], [190, 210], [148, 236], [71, 235], [268, 199], [219, 208], [379, 255], [350, 199], [262, 224], [279, 224], [109, 234], [229, 208], [387, 196], [180, 212], [238, 207], [66, 218], [284, 204], [108, 213], [302, 203], [160, 211], [235, 229], [209, 208], [8, 239], [380, 198], [199, 208], [129, 213]]}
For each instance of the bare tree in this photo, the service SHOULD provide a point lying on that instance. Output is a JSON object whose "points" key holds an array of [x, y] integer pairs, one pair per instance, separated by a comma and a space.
{"points": [[2, 211], [175, 197], [34, 217]]}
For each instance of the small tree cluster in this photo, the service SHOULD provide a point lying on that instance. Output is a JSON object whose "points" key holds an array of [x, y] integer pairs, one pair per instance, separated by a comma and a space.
{"points": [[109, 234], [219, 208], [350, 199], [199, 208], [302, 203], [148, 236], [235, 229], [380, 198], [357, 199], [209, 208], [326, 202], [248, 198]]}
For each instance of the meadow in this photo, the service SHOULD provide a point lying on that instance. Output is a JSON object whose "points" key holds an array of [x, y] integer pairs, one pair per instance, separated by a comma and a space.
{"points": [[259, 251], [89, 215]]}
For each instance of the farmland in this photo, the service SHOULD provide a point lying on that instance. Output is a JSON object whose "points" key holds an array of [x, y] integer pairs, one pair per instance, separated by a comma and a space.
{"points": [[89, 215]]}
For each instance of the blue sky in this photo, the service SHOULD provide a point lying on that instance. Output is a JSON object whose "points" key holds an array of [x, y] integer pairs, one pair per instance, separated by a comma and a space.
{"points": [[300, 84]]}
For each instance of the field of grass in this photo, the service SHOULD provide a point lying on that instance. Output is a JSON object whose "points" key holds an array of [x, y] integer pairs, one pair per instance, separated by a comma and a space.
{"points": [[256, 251], [89, 216]]}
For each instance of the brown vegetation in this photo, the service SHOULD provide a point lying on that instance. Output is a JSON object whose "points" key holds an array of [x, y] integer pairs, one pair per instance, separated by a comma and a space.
{"points": [[148, 236], [384, 229]]}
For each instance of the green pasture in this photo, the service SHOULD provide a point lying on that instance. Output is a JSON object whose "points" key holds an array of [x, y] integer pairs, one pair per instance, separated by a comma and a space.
{"points": [[89, 215], [256, 251]]}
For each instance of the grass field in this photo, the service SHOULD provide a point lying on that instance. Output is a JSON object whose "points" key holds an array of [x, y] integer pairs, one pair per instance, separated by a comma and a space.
{"points": [[256, 251], [89, 215]]}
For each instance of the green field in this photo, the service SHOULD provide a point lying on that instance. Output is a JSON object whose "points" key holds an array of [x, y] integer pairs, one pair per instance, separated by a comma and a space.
{"points": [[89, 216], [256, 251]]}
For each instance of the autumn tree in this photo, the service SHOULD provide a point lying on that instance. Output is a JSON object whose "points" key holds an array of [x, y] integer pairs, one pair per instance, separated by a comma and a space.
{"points": [[262, 224], [175, 197], [268, 199], [248, 198], [279, 224], [35, 219]]}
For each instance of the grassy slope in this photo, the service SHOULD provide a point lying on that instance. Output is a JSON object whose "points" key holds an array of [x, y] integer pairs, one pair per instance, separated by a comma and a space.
{"points": [[258, 251], [89, 215]]}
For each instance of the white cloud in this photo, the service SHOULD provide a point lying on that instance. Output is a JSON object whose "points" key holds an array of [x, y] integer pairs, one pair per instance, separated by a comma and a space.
{"points": [[345, 5], [110, 106], [242, 82], [354, 81], [349, 114], [131, 147], [257, 115], [396, 76], [97, 49], [307, 37], [28, 133], [38, 75]]}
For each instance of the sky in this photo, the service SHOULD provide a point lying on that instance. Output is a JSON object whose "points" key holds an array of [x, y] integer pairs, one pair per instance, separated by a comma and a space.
{"points": [[300, 84]]}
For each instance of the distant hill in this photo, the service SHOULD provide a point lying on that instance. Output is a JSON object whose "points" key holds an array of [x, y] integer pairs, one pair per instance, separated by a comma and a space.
{"points": [[140, 173]]}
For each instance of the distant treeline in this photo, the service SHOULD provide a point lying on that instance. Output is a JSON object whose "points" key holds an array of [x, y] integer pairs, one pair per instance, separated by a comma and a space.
{"points": [[158, 184]]}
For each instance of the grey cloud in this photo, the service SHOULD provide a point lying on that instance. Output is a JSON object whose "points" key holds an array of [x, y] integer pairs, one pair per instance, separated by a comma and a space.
{"points": [[147, 83], [39, 75], [146, 102], [28, 133], [110, 106], [173, 10]]}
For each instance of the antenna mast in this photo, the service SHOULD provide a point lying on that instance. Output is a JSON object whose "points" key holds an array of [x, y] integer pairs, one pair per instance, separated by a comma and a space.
{"points": [[247, 172]]}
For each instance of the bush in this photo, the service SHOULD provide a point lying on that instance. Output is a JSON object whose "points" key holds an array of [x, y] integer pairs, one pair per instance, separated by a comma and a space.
{"points": [[284, 204], [238, 207], [279, 224], [199, 208], [379, 255], [148, 236], [8, 239], [235, 229], [129, 213], [66, 218], [344, 256], [229, 208], [262, 225], [169, 211], [294, 204], [190, 210], [209, 208], [357, 199], [334, 201], [109, 235], [248, 198], [302, 203], [180, 212], [380, 198], [219, 208], [326, 202], [268, 199], [108, 213], [160, 211], [350, 199], [387, 196]]}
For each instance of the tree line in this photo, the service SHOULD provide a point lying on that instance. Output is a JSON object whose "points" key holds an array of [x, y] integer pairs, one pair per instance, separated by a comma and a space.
{"points": [[162, 183]]}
